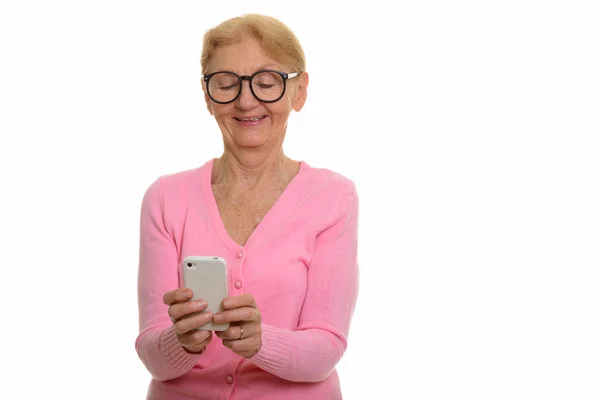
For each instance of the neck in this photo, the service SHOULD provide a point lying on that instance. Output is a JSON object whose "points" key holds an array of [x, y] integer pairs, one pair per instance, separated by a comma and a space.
{"points": [[251, 169]]}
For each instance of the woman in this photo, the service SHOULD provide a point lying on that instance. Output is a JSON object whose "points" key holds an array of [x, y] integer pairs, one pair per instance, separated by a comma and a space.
{"points": [[288, 232]]}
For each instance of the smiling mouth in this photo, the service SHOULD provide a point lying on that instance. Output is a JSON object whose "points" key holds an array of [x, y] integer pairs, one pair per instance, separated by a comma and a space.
{"points": [[252, 119]]}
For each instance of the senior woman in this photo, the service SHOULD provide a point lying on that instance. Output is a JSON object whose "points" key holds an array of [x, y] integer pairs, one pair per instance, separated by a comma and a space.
{"points": [[288, 232]]}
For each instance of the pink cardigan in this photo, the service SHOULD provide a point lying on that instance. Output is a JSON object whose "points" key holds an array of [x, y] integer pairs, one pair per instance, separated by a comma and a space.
{"points": [[300, 264]]}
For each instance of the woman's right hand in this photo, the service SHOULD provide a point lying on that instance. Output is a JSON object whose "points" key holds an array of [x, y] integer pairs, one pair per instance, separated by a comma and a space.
{"points": [[181, 310]]}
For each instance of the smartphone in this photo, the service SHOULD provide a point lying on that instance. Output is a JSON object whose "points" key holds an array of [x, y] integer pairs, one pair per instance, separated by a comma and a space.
{"points": [[206, 276]]}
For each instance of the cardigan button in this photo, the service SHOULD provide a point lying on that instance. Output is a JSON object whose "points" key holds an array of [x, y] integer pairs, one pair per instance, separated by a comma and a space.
{"points": [[229, 379]]}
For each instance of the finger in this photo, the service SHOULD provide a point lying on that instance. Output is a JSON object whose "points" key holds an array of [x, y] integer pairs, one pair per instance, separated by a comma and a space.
{"points": [[180, 310], [246, 344], [194, 338], [177, 296], [238, 315], [196, 341], [193, 321], [235, 332], [243, 300]]}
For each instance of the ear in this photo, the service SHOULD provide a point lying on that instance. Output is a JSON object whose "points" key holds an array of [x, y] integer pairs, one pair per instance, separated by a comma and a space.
{"points": [[301, 92], [209, 103]]}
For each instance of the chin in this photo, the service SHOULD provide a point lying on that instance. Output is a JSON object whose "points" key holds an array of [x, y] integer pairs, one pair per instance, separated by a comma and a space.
{"points": [[244, 139]]}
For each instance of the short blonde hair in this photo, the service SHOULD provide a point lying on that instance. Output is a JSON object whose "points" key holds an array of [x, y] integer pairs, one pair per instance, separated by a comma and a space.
{"points": [[278, 40]]}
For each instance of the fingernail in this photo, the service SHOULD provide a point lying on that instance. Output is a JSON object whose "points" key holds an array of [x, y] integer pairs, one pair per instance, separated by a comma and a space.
{"points": [[227, 303], [200, 304], [218, 318]]}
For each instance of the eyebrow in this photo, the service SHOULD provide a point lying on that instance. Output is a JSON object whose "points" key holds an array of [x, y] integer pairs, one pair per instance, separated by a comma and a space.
{"points": [[259, 68]]}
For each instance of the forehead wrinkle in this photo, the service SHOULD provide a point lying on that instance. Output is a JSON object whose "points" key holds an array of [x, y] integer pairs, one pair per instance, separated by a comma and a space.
{"points": [[248, 68], [251, 71]]}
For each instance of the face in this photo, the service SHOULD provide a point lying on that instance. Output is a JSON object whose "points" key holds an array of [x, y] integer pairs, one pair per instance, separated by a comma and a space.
{"points": [[238, 120]]}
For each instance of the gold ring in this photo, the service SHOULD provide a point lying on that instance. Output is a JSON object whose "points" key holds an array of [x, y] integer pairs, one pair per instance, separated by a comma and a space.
{"points": [[241, 332]]}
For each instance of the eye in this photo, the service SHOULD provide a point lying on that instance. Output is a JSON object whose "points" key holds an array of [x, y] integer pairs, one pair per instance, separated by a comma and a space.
{"points": [[227, 87]]}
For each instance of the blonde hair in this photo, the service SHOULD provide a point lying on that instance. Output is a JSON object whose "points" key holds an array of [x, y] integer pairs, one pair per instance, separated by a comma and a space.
{"points": [[277, 39]]}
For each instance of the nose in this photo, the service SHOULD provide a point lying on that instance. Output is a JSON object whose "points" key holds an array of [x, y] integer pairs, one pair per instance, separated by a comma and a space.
{"points": [[246, 99]]}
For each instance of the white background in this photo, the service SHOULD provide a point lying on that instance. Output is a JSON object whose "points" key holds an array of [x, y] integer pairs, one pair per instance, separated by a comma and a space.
{"points": [[471, 131]]}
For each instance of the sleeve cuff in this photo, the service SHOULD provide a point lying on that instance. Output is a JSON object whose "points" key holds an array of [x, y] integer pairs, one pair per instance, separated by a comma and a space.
{"points": [[274, 351], [175, 354]]}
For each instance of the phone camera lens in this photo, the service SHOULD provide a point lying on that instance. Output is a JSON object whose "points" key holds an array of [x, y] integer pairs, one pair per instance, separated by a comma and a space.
{"points": [[189, 265]]}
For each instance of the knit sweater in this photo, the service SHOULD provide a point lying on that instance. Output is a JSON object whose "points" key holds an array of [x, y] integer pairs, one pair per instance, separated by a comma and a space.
{"points": [[300, 264]]}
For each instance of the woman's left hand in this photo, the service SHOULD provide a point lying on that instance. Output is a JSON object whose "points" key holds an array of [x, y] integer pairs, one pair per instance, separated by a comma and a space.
{"points": [[244, 336]]}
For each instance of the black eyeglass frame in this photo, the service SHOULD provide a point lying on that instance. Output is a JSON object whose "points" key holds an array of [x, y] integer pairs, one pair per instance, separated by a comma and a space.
{"points": [[284, 76]]}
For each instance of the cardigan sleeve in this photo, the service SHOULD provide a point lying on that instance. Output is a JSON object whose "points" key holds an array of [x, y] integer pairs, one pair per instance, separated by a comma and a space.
{"points": [[311, 352], [157, 345]]}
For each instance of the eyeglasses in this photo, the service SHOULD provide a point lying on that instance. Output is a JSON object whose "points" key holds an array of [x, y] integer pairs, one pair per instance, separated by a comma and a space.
{"points": [[268, 86]]}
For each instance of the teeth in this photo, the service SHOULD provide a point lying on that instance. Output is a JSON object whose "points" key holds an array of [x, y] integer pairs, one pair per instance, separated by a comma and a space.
{"points": [[249, 119]]}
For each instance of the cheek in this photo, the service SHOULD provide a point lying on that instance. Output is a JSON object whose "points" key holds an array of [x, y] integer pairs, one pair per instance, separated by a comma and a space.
{"points": [[221, 113], [282, 112]]}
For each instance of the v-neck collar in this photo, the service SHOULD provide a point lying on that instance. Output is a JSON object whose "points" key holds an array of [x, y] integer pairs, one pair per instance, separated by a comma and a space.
{"points": [[291, 194]]}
